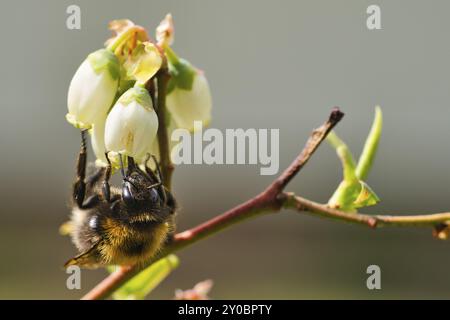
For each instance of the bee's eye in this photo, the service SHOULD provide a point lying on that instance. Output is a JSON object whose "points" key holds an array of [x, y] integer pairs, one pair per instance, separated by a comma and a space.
{"points": [[127, 195]]}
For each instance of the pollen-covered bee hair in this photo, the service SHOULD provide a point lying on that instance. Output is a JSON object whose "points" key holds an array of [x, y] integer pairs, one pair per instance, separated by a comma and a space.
{"points": [[112, 226]]}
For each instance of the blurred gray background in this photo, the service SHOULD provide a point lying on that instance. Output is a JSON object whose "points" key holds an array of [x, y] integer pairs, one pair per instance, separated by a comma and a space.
{"points": [[278, 64]]}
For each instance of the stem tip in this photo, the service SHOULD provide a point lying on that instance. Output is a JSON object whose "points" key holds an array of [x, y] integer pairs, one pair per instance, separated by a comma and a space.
{"points": [[336, 115]]}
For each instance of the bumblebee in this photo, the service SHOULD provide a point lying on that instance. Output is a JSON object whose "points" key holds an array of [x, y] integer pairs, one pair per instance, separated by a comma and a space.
{"points": [[113, 226]]}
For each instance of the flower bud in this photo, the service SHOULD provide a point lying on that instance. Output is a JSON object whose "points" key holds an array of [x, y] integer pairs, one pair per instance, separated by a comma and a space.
{"points": [[92, 89], [165, 32], [189, 96], [132, 124]]}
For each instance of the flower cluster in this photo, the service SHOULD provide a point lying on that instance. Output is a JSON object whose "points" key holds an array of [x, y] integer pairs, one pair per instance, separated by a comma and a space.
{"points": [[113, 94]]}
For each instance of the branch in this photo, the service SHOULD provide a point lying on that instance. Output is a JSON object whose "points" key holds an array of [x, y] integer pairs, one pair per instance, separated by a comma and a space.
{"points": [[303, 205], [270, 200], [316, 138], [167, 167]]}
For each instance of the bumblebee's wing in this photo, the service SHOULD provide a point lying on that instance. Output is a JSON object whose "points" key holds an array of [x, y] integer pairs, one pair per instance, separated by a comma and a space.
{"points": [[87, 259]]}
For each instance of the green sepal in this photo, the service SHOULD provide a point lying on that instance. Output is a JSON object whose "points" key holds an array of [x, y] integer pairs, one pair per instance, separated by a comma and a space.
{"points": [[124, 85], [182, 72], [138, 94], [367, 197], [104, 59], [147, 280]]}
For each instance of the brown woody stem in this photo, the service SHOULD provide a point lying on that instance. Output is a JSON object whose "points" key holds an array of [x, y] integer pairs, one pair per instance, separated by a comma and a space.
{"points": [[167, 167]]}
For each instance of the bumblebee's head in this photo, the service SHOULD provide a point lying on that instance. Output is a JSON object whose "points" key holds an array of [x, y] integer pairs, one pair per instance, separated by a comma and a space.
{"points": [[138, 191]]}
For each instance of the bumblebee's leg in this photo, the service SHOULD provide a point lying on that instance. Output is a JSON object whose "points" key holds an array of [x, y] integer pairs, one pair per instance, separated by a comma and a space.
{"points": [[90, 183], [106, 189], [149, 171], [94, 178], [158, 178], [79, 187], [133, 167], [90, 202]]}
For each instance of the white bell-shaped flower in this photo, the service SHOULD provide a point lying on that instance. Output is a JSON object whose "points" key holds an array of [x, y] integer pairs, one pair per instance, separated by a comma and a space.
{"points": [[92, 89], [188, 95], [132, 124], [189, 105]]}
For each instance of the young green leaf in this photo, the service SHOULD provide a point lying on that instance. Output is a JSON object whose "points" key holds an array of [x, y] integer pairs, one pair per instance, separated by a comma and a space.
{"points": [[370, 148], [353, 192], [344, 196], [142, 284], [346, 157]]}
